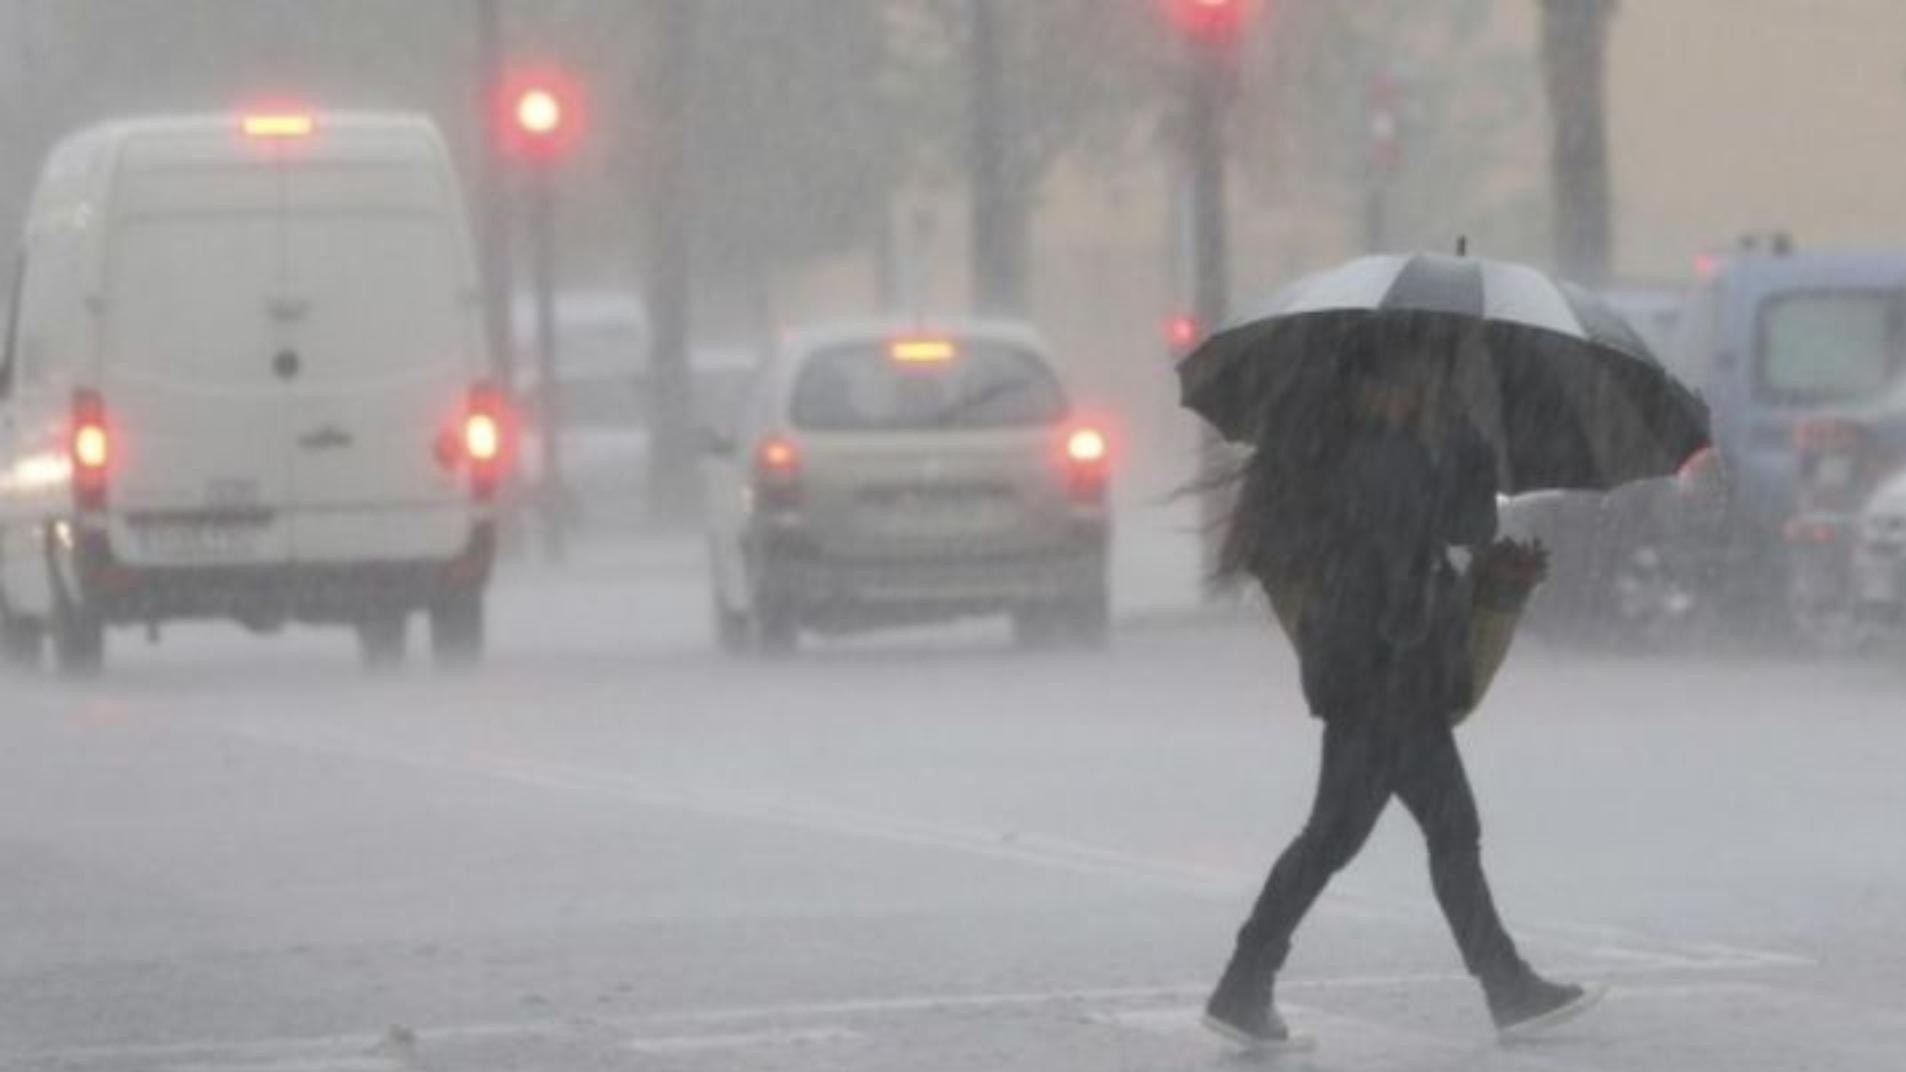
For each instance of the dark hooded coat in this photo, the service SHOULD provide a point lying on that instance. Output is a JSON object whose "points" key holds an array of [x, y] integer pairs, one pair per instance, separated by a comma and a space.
{"points": [[1364, 527]]}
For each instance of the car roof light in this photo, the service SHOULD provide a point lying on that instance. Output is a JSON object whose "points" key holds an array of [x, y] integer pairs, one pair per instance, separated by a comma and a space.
{"points": [[280, 125], [922, 351]]}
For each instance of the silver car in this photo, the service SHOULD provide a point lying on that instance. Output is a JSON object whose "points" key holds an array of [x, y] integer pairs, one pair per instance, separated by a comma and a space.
{"points": [[892, 474]]}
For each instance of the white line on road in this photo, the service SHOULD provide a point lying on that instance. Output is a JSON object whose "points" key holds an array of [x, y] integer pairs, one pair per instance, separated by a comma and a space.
{"points": [[750, 1040], [1136, 1006], [297, 1064], [1014, 847]]}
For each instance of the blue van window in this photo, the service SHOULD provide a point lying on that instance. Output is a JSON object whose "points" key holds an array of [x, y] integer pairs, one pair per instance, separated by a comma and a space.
{"points": [[1830, 347]]}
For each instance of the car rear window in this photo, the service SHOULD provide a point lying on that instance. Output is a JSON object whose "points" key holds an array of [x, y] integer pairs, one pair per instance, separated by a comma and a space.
{"points": [[865, 387], [1831, 347]]}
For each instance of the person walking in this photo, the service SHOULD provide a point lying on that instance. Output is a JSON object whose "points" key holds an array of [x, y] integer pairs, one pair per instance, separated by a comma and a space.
{"points": [[1350, 517]]}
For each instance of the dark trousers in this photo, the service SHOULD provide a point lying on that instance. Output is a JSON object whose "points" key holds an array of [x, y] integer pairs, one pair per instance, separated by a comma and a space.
{"points": [[1365, 762]]}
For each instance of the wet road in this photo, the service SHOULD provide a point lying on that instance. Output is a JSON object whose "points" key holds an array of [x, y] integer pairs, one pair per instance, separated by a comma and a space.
{"points": [[614, 849]]}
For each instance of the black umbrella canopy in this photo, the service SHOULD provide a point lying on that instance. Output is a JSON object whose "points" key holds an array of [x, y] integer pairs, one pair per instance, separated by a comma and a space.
{"points": [[1570, 395]]}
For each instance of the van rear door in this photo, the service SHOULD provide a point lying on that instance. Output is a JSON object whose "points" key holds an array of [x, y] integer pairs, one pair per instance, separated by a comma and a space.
{"points": [[383, 332], [195, 411]]}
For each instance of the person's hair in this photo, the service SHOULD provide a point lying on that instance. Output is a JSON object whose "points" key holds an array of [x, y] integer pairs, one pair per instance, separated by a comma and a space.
{"points": [[1280, 491]]}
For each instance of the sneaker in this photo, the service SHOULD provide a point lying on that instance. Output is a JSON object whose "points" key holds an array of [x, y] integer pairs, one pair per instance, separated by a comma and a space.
{"points": [[1244, 1011], [1534, 1005]]}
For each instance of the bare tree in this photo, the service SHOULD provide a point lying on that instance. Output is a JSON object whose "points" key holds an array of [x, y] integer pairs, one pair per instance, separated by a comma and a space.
{"points": [[670, 265], [1001, 199], [1574, 59]]}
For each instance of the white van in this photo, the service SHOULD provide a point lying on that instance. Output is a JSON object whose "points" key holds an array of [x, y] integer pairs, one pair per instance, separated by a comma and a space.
{"points": [[244, 377]]}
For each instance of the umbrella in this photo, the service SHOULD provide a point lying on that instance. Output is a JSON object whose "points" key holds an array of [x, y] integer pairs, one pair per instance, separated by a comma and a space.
{"points": [[1568, 393]]}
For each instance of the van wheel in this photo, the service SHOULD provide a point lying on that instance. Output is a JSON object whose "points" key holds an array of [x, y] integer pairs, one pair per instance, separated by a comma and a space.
{"points": [[1037, 627], [456, 629], [79, 640], [381, 641], [22, 641], [776, 630], [1088, 617], [731, 627]]}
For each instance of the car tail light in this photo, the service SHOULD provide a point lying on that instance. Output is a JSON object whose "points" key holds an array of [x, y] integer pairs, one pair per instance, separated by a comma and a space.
{"points": [[91, 449], [777, 473], [482, 437], [1087, 463], [484, 440]]}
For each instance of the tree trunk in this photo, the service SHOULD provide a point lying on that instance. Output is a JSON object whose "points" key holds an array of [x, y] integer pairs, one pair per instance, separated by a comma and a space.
{"points": [[1574, 59], [671, 475], [1001, 217]]}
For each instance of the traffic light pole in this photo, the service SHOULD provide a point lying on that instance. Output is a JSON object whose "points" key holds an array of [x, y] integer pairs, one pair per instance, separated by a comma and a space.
{"points": [[1211, 264], [1209, 80], [553, 491], [492, 200]]}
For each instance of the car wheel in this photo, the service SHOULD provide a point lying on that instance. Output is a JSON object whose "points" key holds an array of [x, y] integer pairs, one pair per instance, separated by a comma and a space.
{"points": [[22, 642], [456, 629], [1037, 627], [79, 639], [776, 629], [1823, 617], [381, 640]]}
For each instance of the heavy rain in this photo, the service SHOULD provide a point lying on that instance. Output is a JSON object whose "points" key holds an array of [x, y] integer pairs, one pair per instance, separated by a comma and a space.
{"points": [[707, 535]]}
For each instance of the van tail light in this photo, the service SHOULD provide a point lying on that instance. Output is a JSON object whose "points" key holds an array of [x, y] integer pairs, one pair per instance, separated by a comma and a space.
{"points": [[1825, 435], [1810, 532], [777, 473], [91, 449], [1087, 463], [484, 439]]}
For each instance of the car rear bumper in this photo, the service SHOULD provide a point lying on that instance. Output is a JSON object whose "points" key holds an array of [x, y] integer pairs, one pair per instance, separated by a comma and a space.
{"points": [[823, 589], [267, 595]]}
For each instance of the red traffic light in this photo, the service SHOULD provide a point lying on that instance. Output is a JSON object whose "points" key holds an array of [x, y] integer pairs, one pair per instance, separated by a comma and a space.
{"points": [[1183, 333], [539, 115], [1208, 19]]}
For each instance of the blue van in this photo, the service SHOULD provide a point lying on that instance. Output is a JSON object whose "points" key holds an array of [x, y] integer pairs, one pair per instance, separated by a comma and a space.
{"points": [[1801, 357], [1777, 342], [1784, 345]]}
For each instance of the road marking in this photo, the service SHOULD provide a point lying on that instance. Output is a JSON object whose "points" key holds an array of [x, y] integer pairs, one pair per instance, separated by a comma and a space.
{"points": [[1184, 1021], [750, 1040], [1032, 849], [1157, 1009], [297, 1064]]}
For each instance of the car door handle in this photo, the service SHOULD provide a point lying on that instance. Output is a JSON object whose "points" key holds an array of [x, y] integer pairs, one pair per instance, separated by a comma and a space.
{"points": [[329, 437], [285, 309]]}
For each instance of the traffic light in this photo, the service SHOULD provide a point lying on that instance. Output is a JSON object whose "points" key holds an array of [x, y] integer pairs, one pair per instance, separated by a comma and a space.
{"points": [[1209, 20], [1182, 334], [539, 115]]}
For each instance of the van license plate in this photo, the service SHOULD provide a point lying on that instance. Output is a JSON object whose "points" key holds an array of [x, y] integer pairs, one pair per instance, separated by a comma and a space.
{"points": [[202, 541]]}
